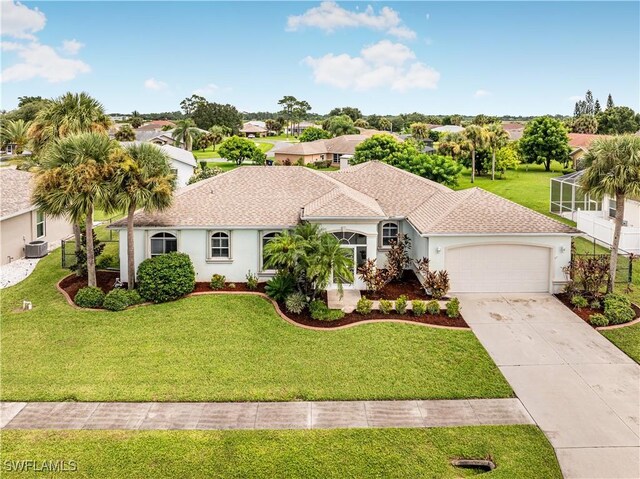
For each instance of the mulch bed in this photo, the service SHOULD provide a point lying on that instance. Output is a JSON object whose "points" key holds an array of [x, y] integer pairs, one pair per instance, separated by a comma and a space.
{"points": [[239, 287], [409, 286], [105, 279], [584, 313], [438, 320]]}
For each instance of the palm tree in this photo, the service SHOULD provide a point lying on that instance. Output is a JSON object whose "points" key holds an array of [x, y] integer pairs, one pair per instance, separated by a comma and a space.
{"points": [[453, 144], [385, 124], [185, 132], [216, 135], [477, 137], [16, 131], [69, 114], [143, 179], [497, 138], [419, 131], [612, 168], [76, 176]]}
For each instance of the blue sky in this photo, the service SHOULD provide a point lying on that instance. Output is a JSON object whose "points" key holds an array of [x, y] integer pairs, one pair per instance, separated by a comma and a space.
{"points": [[524, 58]]}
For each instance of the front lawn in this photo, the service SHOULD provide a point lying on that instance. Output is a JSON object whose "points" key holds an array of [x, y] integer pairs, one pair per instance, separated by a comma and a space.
{"points": [[627, 339], [222, 348], [209, 152], [518, 451]]}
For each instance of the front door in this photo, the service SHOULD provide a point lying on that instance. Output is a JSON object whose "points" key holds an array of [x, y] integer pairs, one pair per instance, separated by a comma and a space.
{"points": [[356, 244]]}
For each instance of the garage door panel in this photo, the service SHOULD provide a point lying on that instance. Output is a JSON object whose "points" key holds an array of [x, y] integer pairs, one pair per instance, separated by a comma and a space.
{"points": [[498, 268]]}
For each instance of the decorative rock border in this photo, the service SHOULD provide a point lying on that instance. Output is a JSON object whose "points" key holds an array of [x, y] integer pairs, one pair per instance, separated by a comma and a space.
{"points": [[279, 311]]}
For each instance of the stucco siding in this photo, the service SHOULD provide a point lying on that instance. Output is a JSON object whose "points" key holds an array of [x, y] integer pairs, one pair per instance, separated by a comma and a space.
{"points": [[184, 172]]}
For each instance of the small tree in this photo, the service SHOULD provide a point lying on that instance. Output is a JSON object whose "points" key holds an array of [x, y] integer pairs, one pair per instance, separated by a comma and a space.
{"points": [[378, 147], [420, 131], [313, 134], [136, 121], [216, 135], [477, 138], [585, 124], [398, 256], [617, 120], [125, 133], [239, 150], [385, 124], [544, 140], [340, 125]]}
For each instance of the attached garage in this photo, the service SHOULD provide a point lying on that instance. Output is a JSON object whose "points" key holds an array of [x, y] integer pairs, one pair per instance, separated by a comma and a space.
{"points": [[486, 268]]}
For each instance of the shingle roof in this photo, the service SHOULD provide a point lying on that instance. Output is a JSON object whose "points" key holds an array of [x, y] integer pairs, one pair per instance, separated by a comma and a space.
{"points": [[15, 186], [583, 140], [448, 129], [476, 211], [251, 128], [178, 154], [266, 196]]}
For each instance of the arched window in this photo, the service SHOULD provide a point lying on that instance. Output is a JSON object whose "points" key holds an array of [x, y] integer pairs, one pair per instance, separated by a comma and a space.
{"points": [[348, 237], [389, 232], [162, 243], [220, 245], [265, 239]]}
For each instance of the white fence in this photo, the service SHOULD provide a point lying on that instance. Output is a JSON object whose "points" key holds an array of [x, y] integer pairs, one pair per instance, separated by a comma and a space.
{"points": [[602, 229]]}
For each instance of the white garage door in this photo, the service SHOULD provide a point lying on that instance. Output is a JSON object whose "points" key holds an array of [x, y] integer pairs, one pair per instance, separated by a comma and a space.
{"points": [[498, 268]]}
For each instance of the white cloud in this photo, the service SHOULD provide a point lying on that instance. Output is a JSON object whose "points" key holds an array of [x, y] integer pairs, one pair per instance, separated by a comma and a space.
{"points": [[20, 21], [71, 47], [481, 93], [41, 61], [384, 64], [156, 85], [207, 90], [329, 16]]}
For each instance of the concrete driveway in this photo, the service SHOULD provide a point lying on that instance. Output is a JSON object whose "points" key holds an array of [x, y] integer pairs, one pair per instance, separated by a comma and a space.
{"points": [[581, 390]]}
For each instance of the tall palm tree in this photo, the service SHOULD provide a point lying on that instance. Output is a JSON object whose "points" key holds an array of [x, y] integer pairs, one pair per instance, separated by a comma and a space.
{"points": [[16, 131], [453, 144], [185, 132], [76, 177], [477, 137], [497, 137], [66, 115], [143, 179], [216, 135], [612, 168]]}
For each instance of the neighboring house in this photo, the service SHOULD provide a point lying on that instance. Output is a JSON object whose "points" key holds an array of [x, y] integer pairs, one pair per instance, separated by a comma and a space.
{"points": [[182, 162], [298, 128], [514, 129], [20, 222], [595, 217], [485, 242], [319, 150], [448, 129], [580, 143], [156, 125], [162, 137], [251, 130]]}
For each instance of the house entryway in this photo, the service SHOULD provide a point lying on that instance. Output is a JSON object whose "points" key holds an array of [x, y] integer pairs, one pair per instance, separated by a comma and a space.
{"points": [[347, 302], [356, 244]]}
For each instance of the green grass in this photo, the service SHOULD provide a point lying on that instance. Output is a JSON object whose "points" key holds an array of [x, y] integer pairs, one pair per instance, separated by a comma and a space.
{"points": [[209, 152], [519, 452], [627, 339], [222, 348]]}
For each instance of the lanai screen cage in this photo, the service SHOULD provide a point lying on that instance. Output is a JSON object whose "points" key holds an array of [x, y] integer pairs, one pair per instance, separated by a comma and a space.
{"points": [[567, 196]]}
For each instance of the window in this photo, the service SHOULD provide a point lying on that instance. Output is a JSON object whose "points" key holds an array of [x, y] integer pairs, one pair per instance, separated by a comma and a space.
{"points": [[162, 243], [265, 239], [220, 245], [612, 208], [40, 225], [389, 232]]}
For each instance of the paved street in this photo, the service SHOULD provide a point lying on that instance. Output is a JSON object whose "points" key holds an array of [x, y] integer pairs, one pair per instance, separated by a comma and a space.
{"points": [[581, 390]]}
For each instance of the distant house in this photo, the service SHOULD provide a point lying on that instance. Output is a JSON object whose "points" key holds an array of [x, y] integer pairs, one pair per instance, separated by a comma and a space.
{"points": [[514, 129], [448, 129], [251, 130], [320, 150], [157, 125], [161, 137], [580, 143], [298, 128], [20, 221], [182, 162]]}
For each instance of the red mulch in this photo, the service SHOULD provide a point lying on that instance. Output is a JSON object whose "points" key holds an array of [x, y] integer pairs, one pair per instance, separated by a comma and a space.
{"points": [[72, 283], [584, 313], [204, 287], [409, 285], [439, 320]]}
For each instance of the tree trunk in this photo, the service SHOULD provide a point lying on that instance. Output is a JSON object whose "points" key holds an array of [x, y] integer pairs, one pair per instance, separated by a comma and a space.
{"points": [[131, 263], [77, 236], [547, 165], [473, 165], [613, 262], [493, 165], [91, 258]]}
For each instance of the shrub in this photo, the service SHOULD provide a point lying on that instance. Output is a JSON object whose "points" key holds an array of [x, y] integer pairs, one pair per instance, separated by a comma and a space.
{"points": [[423, 265], [401, 304], [590, 273], [280, 286], [437, 283], [579, 301], [116, 300], [252, 281], [89, 297], [231, 285], [433, 307], [134, 297], [217, 281], [322, 164], [419, 307], [453, 308], [617, 309], [374, 278], [386, 306], [364, 305], [105, 260], [398, 256], [595, 304], [204, 173], [300, 162], [320, 312], [166, 277], [296, 302], [598, 320]]}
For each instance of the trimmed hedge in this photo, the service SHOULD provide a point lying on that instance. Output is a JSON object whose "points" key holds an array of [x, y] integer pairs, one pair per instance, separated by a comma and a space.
{"points": [[89, 297], [166, 277], [617, 309], [116, 300]]}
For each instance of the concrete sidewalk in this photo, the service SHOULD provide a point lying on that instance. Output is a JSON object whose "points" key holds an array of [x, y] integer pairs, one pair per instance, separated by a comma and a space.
{"points": [[275, 415], [581, 390]]}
